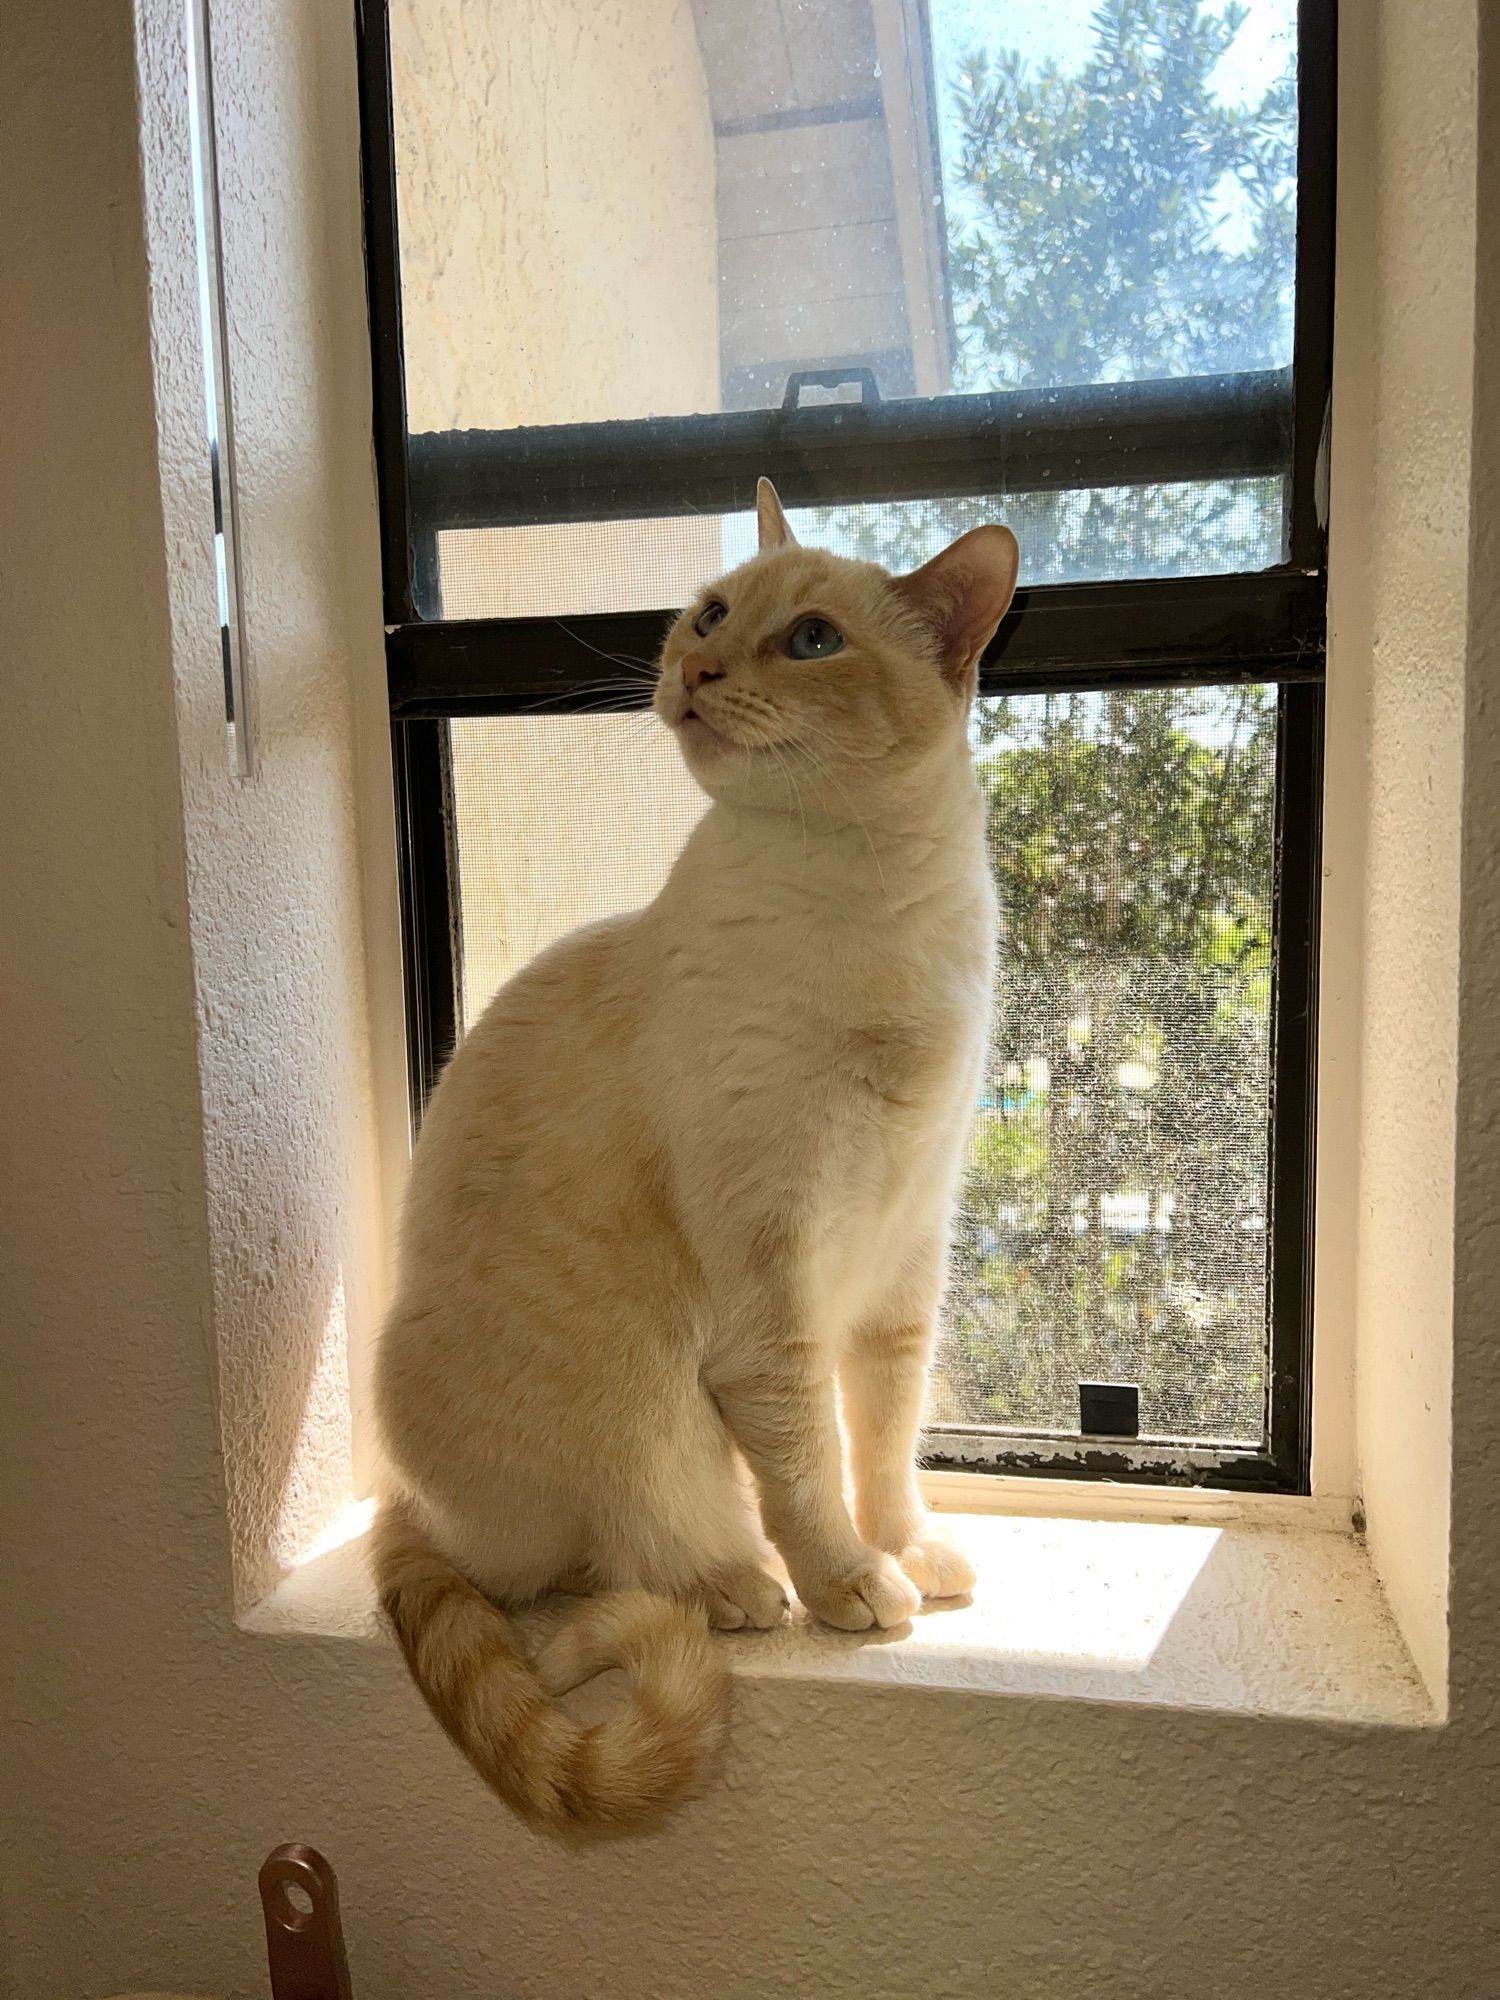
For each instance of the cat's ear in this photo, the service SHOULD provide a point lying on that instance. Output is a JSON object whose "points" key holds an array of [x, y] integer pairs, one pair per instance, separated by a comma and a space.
{"points": [[775, 530], [963, 594]]}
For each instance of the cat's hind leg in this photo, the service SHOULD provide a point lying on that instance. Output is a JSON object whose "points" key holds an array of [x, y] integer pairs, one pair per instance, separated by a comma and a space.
{"points": [[685, 1525], [741, 1597]]}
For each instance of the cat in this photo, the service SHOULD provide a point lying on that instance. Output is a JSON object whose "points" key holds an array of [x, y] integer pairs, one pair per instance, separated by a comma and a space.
{"points": [[692, 1166]]}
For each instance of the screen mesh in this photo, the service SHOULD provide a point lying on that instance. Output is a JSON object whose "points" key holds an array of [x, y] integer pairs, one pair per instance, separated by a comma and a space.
{"points": [[1217, 527], [560, 820], [1113, 1219]]}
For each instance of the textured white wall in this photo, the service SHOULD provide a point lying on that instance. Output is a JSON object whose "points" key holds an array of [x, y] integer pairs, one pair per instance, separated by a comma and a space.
{"points": [[869, 1843], [1397, 689], [289, 1064]]}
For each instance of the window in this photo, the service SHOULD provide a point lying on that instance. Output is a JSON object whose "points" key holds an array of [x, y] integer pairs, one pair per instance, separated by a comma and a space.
{"points": [[925, 263]]}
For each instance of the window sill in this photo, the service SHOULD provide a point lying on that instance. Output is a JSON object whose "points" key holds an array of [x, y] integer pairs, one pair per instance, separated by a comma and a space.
{"points": [[1230, 1617]]}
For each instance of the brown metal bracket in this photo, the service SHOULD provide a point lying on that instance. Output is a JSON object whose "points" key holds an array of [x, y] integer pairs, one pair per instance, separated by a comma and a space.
{"points": [[299, 1894]]}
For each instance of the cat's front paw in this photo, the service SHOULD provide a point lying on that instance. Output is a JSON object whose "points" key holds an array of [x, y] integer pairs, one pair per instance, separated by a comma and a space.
{"points": [[873, 1593], [936, 1567]]}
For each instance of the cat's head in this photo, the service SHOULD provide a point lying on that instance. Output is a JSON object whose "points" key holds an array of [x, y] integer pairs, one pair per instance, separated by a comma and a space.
{"points": [[800, 660]]}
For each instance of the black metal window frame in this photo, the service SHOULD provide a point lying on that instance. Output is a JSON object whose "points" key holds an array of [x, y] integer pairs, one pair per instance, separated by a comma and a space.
{"points": [[1267, 626]]}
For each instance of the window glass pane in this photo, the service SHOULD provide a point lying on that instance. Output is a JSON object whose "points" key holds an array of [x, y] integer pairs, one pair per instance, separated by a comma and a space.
{"points": [[1113, 1223], [668, 208], [1198, 528], [1119, 187]]}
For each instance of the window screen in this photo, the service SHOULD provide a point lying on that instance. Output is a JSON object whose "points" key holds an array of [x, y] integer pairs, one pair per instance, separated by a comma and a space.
{"points": [[1112, 1224]]}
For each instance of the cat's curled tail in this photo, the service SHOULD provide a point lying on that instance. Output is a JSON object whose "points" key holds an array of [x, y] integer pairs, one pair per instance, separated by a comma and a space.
{"points": [[620, 1776]]}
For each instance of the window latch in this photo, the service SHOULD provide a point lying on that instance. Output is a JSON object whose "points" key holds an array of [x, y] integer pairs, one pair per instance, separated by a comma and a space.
{"points": [[1109, 1409], [862, 379]]}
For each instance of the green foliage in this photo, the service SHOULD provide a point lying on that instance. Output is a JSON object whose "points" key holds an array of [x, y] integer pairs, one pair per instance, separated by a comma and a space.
{"points": [[1111, 1218], [1083, 247]]}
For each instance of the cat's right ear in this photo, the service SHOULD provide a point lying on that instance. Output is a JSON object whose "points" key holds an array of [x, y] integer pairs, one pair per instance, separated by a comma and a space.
{"points": [[775, 530], [963, 594]]}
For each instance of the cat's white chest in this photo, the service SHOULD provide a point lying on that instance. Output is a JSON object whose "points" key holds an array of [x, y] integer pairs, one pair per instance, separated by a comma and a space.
{"points": [[816, 1040], [845, 1070]]}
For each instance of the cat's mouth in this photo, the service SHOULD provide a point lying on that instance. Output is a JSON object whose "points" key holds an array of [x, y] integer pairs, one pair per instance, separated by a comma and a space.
{"points": [[698, 729], [694, 727]]}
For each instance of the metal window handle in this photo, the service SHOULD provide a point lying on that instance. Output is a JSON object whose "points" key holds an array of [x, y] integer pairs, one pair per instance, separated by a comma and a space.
{"points": [[299, 1894], [831, 378]]}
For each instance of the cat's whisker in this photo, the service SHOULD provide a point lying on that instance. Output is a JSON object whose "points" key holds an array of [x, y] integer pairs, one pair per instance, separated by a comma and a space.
{"points": [[752, 706], [600, 687], [640, 725], [796, 791], [611, 753], [620, 659], [607, 703], [639, 738]]}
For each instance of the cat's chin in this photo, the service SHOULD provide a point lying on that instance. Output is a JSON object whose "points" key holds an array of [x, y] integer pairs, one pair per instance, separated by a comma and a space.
{"points": [[696, 734]]}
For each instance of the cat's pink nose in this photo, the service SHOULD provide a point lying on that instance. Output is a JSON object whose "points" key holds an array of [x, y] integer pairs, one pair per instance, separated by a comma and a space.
{"points": [[698, 668]]}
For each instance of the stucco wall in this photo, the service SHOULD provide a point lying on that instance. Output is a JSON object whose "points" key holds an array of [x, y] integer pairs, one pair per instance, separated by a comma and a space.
{"points": [[288, 1022], [1399, 623], [870, 1843], [555, 166], [561, 821]]}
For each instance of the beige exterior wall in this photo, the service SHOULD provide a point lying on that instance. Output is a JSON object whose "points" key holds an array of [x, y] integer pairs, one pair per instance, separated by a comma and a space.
{"points": [[560, 262], [555, 168], [184, 1019]]}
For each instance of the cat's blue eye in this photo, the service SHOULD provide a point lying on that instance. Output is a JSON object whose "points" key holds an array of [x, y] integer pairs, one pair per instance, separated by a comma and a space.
{"points": [[814, 639], [712, 614]]}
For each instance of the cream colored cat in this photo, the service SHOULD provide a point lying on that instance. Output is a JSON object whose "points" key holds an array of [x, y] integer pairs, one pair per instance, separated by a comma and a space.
{"points": [[693, 1166]]}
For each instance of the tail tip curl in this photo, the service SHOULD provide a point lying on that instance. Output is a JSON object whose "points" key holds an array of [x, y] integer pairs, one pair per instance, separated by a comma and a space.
{"points": [[623, 1775]]}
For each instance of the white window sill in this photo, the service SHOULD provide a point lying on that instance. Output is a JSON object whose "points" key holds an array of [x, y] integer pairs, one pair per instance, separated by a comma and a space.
{"points": [[1228, 1616]]}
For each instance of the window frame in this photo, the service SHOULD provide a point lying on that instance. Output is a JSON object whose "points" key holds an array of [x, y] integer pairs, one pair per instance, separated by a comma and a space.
{"points": [[1267, 626]]}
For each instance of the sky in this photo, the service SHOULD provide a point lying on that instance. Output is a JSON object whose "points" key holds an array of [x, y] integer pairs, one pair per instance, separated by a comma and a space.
{"points": [[1061, 30]]}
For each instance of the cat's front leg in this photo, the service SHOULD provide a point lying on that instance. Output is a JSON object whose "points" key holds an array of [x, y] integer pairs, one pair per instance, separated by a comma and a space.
{"points": [[779, 1408], [884, 1378]]}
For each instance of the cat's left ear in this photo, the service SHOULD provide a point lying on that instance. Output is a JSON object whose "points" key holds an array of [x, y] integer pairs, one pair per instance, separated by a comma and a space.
{"points": [[963, 594], [775, 530]]}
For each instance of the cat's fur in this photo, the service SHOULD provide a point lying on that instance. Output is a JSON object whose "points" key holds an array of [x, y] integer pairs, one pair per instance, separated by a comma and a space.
{"points": [[692, 1166]]}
